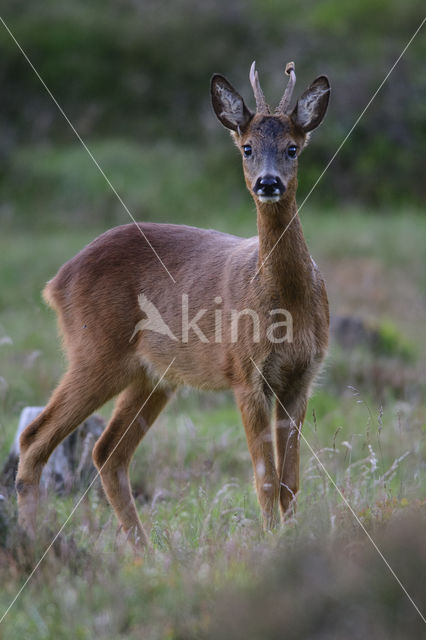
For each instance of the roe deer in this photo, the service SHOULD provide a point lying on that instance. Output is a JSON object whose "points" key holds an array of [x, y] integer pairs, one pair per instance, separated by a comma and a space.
{"points": [[100, 296]]}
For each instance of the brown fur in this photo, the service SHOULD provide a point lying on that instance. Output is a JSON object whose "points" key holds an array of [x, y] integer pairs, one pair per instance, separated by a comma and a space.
{"points": [[95, 296]]}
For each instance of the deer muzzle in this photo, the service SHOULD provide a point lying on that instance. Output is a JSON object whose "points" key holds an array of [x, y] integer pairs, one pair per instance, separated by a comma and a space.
{"points": [[269, 188]]}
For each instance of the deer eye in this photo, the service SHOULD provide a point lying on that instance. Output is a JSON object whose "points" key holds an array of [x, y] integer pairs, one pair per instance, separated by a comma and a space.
{"points": [[247, 150], [292, 151]]}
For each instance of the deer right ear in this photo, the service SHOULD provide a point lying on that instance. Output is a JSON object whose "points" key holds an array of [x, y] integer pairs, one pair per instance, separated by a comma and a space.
{"points": [[229, 105], [312, 105]]}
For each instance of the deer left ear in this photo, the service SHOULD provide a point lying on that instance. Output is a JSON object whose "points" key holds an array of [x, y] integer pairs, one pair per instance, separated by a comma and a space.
{"points": [[312, 105], [229, 105]]}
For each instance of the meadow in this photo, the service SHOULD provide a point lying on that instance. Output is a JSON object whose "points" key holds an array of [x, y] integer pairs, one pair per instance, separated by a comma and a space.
{"points": [[133, 77], [192, 474]]}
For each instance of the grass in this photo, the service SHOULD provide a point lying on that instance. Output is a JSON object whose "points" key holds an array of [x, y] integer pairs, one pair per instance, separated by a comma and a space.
{"points": [[48, 186], [192, 475], [193, 482]]}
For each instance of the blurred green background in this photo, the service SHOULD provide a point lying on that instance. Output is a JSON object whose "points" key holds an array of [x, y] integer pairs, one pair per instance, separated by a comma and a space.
{"points": [[133, 77]]}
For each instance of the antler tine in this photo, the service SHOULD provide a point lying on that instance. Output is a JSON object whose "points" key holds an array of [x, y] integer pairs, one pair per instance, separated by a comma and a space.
{"points": [[261, 104], [286, 99]]}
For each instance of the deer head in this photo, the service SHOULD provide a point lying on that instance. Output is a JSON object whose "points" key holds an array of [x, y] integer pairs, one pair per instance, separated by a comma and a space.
{"points": [[270, 143]]}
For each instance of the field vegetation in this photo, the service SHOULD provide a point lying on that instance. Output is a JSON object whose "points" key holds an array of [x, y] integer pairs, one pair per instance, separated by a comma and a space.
{"points": [[192, 474], [139, 95]]}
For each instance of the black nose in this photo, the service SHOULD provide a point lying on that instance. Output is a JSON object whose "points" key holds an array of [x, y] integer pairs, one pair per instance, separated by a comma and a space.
{"points": [[269, 186]]}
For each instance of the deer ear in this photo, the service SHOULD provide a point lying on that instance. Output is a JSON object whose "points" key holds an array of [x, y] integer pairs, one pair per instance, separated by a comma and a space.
{"points": [[228, 104], [312, 105]]}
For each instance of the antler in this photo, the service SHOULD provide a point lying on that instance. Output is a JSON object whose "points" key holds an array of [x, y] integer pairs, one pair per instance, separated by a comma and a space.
{"points": [[261, 104], [286, 99]]}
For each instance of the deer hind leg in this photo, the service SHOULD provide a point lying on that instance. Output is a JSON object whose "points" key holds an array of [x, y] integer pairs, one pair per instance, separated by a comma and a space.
{"points": [[256, 415], [79, 393], [289, 421], [136, 409]]}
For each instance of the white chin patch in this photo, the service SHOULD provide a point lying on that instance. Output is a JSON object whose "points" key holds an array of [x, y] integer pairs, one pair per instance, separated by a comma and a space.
{"points": [[269, 199]]}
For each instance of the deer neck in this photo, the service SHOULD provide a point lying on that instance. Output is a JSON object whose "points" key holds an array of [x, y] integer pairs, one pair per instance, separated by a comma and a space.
{"points": [[284, 263]]}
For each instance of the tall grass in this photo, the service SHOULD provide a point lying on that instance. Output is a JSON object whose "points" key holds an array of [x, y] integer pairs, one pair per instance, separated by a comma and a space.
{"points": [[192, 474]]}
